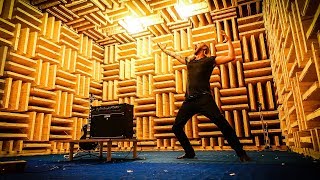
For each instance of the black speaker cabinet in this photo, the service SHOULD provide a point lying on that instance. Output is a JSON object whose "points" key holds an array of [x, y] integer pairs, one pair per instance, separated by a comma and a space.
{"points": [[112, 121]]}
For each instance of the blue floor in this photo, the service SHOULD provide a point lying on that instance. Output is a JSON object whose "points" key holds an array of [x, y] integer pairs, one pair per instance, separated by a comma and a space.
{"points": [[164, 165]]}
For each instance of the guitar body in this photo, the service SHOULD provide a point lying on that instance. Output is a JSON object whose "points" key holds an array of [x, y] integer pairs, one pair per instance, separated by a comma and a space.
{"points": [[87, 146]]}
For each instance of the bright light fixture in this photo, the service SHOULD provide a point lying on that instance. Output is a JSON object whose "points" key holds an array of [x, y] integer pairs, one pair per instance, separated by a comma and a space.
{"points": [[138, 24], [133, 25], [184, 10], [187, 9]]}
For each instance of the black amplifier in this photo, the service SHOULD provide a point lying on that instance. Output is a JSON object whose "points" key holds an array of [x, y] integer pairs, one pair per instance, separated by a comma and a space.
{"points": [[112, 121]]}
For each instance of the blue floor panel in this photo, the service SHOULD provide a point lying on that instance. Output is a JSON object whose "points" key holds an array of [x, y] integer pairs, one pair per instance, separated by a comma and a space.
{"points": [[164, 165]]}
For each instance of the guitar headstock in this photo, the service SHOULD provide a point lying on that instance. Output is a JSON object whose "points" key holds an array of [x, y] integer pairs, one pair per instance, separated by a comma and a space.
{"points": [[91, 98]]}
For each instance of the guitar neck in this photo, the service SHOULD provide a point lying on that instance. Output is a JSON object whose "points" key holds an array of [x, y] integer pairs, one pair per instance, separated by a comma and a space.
{"points": [[89, 124], [89, 118]]}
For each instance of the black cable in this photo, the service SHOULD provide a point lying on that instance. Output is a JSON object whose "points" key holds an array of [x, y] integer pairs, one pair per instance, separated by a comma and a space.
{"points": [[131, 150], [140, 151], [59, 167], [128, 153]]}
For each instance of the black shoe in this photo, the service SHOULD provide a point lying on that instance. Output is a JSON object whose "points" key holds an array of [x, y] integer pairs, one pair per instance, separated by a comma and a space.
{"points": [[245, 158], [186, 156]]}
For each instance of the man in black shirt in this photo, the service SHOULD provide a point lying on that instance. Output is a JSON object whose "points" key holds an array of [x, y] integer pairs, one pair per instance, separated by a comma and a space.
{"points": [[198, 98]]}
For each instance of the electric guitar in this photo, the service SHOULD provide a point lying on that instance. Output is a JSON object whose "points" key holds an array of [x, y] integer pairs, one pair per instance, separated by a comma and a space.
{"points": [[86, 131]]}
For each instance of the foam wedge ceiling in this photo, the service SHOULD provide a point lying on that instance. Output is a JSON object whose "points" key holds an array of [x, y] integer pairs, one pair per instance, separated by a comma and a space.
{"points": [[104, 20]]}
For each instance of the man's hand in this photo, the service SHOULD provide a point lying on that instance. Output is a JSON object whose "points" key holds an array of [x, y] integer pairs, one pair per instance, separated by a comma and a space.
{"points": [[225, 36], [162, 46], [171, 53], [231, 54]]}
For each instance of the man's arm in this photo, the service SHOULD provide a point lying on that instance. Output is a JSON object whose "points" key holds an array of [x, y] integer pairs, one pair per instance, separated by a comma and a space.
{"points": [[231, 55], [172, 53]]}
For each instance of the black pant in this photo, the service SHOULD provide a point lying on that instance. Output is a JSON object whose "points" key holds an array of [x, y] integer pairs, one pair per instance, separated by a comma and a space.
{"points": [[205, 105]]}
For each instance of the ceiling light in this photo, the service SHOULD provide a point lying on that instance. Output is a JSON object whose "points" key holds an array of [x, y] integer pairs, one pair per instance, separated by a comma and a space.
{"points": [[138, 24], [132, 24], [187, 9]]}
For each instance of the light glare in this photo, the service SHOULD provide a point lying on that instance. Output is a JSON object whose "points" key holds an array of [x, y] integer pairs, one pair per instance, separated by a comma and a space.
{"points": [[133, 25], [184, 10]]}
